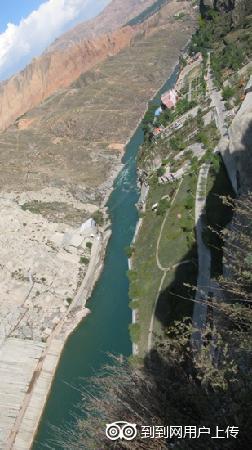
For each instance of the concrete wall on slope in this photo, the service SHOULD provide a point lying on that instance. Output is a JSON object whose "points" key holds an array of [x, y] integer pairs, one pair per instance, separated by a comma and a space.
{"points": [[240, 145]]}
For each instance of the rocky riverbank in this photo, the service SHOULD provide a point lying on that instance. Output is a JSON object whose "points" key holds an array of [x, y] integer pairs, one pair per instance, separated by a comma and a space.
{"points": [[25, 427]]}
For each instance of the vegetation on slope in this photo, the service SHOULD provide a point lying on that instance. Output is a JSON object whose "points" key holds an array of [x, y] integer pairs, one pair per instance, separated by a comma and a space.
{"points": [[177, 385], [231, 44]]}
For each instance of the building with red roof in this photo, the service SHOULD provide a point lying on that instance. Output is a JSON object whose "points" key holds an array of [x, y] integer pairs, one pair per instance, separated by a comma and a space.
{"points": [[169, 99]]}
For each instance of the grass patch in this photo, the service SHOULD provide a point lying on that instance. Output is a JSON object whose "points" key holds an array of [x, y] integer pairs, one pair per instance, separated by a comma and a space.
{"points": [[134, 330], [178, 232], [176, 299], [134, 304], [176, 246], [146, 277], [56, 211]]}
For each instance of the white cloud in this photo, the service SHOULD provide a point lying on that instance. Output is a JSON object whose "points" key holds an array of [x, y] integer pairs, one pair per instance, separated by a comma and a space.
{"points": [[19, 43]]}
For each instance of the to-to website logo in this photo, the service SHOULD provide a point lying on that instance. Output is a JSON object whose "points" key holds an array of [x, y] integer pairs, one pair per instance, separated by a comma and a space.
{"points": [[121, 430], [128, 431]]}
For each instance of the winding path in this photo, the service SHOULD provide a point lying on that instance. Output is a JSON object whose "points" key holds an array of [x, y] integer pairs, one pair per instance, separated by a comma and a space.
{"points": [[163, 269]]}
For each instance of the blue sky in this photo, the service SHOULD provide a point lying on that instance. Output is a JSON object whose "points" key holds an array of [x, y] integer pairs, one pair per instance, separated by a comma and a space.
{"points": [[14, 10], [27, 27]]}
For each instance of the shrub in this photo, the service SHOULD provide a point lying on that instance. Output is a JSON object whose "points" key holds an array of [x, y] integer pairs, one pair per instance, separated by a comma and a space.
{"points": [[98, 217], [163, 205], [84, 260], [186, 225], [149, 117], [129, 251], [134, 291], [228, 92], [184, 105], [134, 304], [134, 330], [160, 171], [189, 203], [203, 138], [177, 144], [89, 245]]}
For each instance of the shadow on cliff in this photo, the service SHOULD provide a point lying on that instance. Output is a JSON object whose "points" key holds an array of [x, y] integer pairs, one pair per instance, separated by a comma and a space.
{"points": [[243, 161], [176, 300], [170, 391]]}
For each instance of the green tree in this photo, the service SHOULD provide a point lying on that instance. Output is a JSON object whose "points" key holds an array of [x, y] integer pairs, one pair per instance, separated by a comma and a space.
{"points": [[228, 92]]}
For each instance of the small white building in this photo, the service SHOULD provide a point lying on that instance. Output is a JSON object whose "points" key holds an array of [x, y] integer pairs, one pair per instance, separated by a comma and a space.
{"points": [[77, 238], [89, 228]]}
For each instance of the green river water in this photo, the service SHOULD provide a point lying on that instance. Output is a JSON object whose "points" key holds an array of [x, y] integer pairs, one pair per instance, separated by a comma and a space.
{"points": [[105, 330]]}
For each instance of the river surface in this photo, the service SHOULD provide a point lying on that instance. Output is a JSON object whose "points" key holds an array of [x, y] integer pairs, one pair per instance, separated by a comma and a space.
{"points": [[105, 330]]}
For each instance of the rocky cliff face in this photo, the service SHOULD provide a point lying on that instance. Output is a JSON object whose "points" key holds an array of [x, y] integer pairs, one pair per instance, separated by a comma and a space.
{"points": [[56, 70], [76, 52], [116, 14]]}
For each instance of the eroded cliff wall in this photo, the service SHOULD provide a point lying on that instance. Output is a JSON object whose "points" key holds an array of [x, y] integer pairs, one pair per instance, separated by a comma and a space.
{"points": [[74, 53], [56, 70]]}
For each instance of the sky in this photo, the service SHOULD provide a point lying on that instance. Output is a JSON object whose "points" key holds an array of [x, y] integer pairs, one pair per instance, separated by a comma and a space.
{"points": [[27, 27]]}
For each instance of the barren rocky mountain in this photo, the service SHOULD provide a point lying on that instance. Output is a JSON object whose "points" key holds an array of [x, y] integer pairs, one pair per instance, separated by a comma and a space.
{"points": [[76, 52], [116, 14], [55, 70]]}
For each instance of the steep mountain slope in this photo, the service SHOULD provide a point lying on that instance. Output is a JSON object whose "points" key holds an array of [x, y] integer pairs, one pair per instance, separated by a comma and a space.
{"points": [[55, 70], [78, 123], [77, 51], [116, 14]]}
